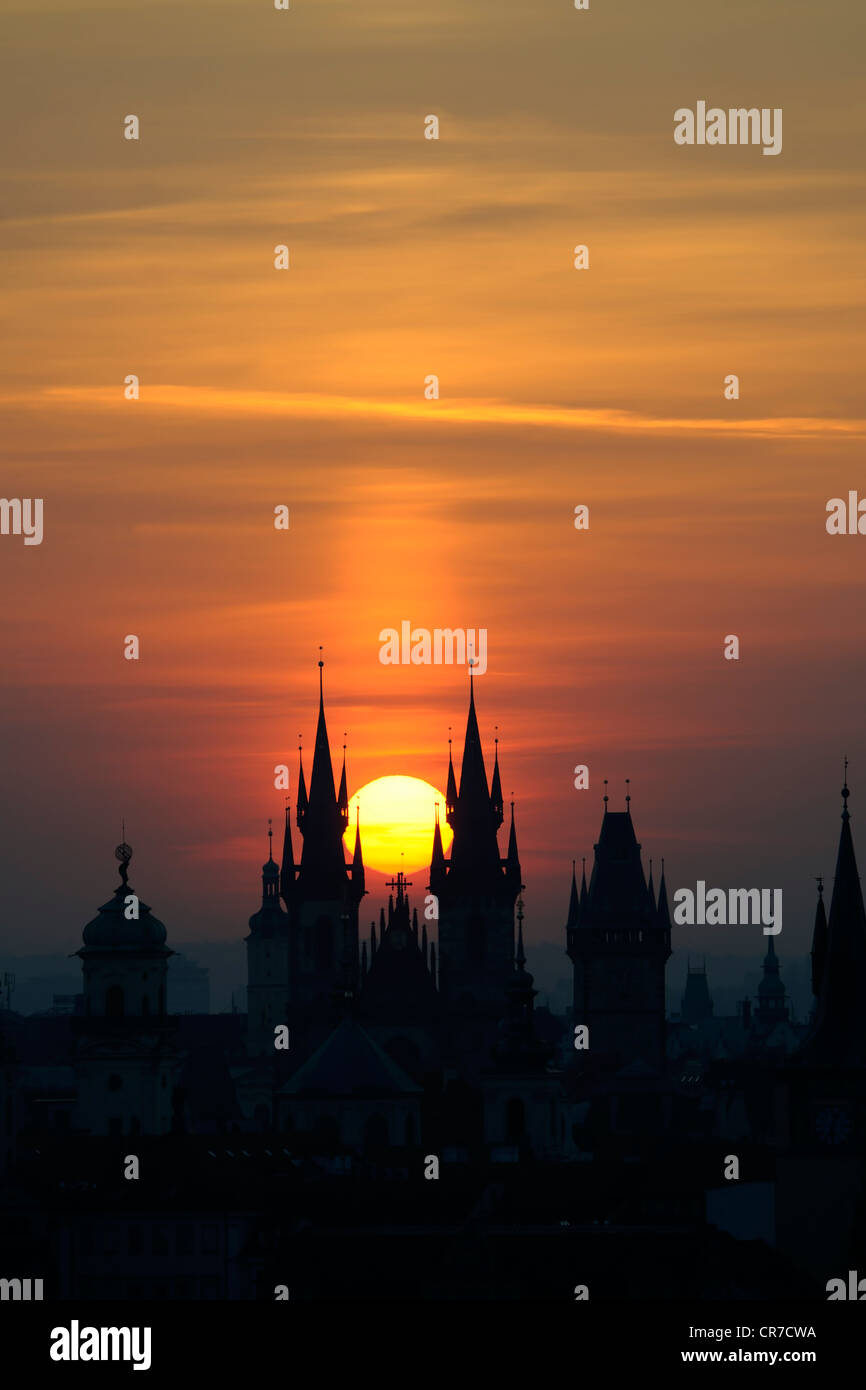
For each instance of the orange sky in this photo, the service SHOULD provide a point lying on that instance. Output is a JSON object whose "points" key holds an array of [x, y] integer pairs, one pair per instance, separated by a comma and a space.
{"points": [[411, 257]]}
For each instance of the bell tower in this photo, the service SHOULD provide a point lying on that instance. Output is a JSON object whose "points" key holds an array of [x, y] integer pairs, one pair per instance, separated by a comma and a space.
{"points": [[618, 940]]}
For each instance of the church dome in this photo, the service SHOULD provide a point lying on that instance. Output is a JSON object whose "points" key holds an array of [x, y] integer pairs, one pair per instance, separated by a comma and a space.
{"points": [[112, 930]]}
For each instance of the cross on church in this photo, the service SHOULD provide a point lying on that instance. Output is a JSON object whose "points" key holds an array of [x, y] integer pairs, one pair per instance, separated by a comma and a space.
{"points": [[399, 883]]}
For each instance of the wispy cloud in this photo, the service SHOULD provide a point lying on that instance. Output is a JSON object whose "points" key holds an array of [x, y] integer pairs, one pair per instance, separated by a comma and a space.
{"points": [[214, 401]]}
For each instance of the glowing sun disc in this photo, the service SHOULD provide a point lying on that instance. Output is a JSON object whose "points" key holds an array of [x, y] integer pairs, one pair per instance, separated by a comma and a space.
{"points": [[397, 816]]}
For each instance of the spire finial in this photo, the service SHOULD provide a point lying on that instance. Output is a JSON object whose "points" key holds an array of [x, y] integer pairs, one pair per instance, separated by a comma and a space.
{"points": [[605, 794], [124, 854], [819, 879], [627, 792], [845, 793], [270, 838]]}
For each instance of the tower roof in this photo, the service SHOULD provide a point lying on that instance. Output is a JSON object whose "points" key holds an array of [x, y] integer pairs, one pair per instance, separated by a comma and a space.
{"points": [[111, 930], [617, 888], [475, 859], [323, 865], [839, 1036]]}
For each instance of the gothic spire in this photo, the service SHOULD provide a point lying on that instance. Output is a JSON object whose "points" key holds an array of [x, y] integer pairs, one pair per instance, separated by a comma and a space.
{"points": [[512, 862], [475, 857], [819, 941], [323, 866], [451, 790], [437, 858], [839, 1037], [302, 791], [357, 858], [343, 799], [497, 805], [287, 867]]}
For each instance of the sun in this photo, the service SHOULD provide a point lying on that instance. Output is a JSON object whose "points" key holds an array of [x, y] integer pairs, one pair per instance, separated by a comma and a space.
{"points": [[397, 815]]}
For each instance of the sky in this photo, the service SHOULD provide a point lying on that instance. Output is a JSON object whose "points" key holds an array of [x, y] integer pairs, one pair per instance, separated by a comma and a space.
{"points": [[305, 388]]}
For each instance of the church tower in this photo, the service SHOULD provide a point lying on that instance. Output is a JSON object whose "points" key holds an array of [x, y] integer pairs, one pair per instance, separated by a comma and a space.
{"points": [[618, 940], [772, 1000], [268, 960], [839, 963], [323, 892], [476, 888], [125, 1060]]}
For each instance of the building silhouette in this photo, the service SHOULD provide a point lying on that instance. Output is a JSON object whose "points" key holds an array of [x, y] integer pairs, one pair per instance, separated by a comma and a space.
{"points": [[422, 1041]]}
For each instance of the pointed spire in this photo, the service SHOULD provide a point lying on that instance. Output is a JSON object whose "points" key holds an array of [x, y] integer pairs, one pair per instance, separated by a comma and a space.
{"points": [[472, 793], [451, 790], [287, 865], [424, 940], [512, 861], [358, 880], [663, 915], [323, 864], [270, 872], [584, 891], [496, 803], [839, 1037], [363, 960], [302, 790], [415, 923], [819, 940], [372, 941], [343, 798], [650, 888], [433, 961], [437, 858]]}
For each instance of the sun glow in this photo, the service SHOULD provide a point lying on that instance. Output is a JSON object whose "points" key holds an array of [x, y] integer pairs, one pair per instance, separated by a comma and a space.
{"points": [[397, 817]]}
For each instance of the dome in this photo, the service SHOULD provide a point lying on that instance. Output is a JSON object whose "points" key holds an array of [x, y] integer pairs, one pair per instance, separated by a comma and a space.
{"points": [[112, 930]]}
